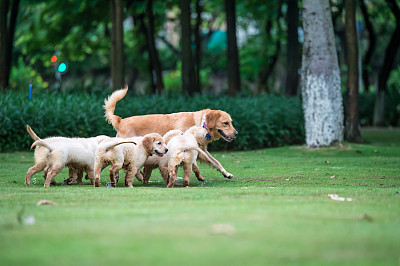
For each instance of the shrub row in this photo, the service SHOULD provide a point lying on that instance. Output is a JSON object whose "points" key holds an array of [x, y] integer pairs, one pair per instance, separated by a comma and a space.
{"points": [[392, 108], [263, 121]]}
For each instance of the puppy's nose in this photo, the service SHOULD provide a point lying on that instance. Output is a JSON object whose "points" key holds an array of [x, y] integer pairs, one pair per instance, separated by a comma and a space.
{"points": [[166, 150], [236, 133]]}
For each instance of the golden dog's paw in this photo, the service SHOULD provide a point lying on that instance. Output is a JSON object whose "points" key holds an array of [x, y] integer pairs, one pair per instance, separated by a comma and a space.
{"points": [[228, 175]]}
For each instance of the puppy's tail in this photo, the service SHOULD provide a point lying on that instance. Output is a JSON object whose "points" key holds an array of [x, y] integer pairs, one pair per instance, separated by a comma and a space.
{"points": [[109, 107], [43, 144], [33, 134], [112, 145]]}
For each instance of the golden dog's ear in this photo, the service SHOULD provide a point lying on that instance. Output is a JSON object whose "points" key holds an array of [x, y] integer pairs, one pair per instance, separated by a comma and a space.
{"points": [[211, 118], [148, 143]]}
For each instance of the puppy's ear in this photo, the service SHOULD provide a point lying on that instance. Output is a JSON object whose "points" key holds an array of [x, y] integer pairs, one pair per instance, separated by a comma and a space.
{"points": [[148, 143], [211, 118]]}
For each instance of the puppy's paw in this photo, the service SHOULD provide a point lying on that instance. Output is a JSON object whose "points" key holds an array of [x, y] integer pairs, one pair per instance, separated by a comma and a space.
{"points": [[27, 183], [139, 176], [200, 178], [66, 182]]}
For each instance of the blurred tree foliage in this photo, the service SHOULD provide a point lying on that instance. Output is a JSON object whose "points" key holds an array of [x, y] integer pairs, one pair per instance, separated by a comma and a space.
{"points": [[78, 32]]}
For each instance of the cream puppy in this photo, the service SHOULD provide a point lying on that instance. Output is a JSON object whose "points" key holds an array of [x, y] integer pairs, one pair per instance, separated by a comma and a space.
{"points": [[184, 150], [129, 154], [54, 153], [41, 155], [153, 162]]}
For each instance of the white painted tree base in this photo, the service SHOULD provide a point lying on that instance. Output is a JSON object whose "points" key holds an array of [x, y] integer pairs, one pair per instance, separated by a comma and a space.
{"points": [[323, 109]]}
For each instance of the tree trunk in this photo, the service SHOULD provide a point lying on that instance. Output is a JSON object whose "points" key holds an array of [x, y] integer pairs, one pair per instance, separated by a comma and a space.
{"points": [[198, 39], [293, 48], [266, 71], [340, 31], [322, 98], [352, 114], [7, 30], [117, 45], [157, 71], [139, 20], [170, 46], [366, 69], [390, 55], [187, 60], [233, 56]]}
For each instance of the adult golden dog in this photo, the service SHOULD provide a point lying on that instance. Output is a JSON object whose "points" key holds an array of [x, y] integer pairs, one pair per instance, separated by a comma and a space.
{"points": [[217, 123]]}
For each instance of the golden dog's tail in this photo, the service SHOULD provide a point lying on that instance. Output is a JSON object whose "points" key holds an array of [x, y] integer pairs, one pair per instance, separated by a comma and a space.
{"points": [[109, 107], [33, 134], [43, 144]]}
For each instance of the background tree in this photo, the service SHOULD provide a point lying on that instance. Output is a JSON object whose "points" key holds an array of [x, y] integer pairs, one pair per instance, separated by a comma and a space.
{"points": [[198, 41], [8, 21], [352, 131], [233, 56], [117, 44], [390, 55], [322, 98], [293, 48], [272, 25], [366, 61], [80, 34], [140, 31], [186, 41], [155, 62]]}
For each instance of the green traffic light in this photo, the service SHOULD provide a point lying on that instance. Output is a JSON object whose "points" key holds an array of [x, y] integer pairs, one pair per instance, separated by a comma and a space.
{"points": [[62, 67]]}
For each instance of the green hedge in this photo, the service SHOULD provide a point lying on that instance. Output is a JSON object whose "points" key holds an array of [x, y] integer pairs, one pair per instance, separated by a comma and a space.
{"points": [[392, 108], [263, 121]]}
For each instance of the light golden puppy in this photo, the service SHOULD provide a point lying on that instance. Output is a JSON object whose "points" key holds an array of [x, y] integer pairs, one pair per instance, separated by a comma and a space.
{"points": [[54, 153], [183, 151], [41, 159], [41, 155], [217, 123], [128, 154], [154, 162]]}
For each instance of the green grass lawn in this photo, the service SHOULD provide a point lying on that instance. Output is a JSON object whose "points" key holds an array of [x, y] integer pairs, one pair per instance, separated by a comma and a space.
{"points": [[275, 211]]}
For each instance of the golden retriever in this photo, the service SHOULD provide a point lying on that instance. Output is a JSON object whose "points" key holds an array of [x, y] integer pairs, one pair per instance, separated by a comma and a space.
{"points": [[217, 123]]}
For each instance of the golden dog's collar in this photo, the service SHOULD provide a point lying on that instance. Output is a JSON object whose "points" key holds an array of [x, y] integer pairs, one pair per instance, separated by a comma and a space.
{"points": [[204, 125]]}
